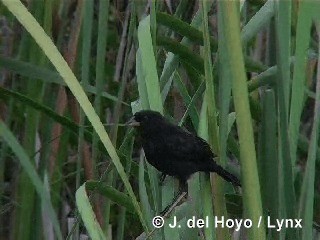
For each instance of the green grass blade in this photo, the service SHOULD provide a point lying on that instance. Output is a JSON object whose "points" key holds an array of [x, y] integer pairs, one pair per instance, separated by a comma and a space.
{"points": [[258, 21], [188, 56], [48, 76], [113, 194], [87, 214], [184, 29]]}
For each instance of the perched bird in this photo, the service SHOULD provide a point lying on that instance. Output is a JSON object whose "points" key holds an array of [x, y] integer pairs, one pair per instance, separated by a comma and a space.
{"points": [[174, 151]]}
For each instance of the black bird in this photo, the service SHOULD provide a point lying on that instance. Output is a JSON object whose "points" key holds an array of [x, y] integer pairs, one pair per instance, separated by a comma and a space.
{"points": [[174, 151]]}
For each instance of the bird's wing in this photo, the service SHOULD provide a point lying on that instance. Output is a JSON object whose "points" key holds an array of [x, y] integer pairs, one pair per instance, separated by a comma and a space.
{"points": [[187, 147]]}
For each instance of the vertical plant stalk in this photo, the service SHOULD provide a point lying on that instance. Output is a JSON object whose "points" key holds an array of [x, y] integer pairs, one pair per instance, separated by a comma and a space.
{"points": [[128, 57], [70, 54], [149, 89], [307, 192], [213, 136], [249, 173], [205, 187], [87, 13], [283, 29], [26, 198], [83, 146], [299, 74], [85, 16], [223, 67], [100, 79], [100, 64], [269, 171], [59, 145], [283, 41]]}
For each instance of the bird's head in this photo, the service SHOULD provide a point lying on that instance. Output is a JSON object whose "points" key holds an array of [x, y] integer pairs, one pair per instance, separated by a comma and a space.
{"points": [[145, 119]]}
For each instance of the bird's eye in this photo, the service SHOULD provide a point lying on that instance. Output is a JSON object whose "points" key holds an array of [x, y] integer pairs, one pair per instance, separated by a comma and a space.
{"points": [[145, 117]]}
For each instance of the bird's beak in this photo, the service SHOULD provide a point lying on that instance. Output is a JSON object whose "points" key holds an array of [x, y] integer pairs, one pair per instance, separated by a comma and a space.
{"points": [[133, 123]]}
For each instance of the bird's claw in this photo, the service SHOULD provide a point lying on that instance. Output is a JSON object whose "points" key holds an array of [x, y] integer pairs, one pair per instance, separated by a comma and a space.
{"points": [[164, 211]]}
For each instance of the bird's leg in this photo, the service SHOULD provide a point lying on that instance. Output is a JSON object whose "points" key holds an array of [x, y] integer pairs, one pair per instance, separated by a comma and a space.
{"points": [[183, 186], [183, 191], [162, 178]]}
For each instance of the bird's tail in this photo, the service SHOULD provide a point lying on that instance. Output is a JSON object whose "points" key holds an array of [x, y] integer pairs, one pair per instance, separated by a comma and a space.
{"points": [[225, 174]]}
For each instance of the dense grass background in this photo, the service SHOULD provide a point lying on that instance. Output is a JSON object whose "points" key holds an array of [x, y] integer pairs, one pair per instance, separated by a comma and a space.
{"points": [[245, 76]]}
